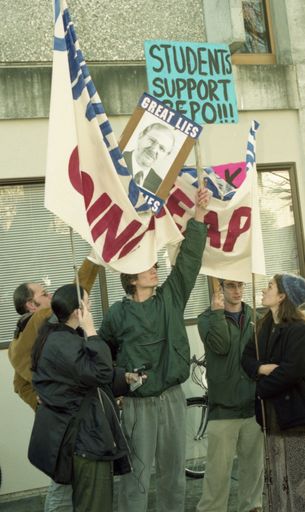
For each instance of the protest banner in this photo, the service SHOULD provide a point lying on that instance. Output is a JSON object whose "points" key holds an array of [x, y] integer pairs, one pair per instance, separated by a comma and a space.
{"points": [[156, 143], [234, 248], [223, 180], [88, 184], [194, 78]]}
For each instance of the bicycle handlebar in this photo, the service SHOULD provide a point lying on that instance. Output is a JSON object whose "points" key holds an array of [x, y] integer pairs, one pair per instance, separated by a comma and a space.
{"points": [[199, 362]]}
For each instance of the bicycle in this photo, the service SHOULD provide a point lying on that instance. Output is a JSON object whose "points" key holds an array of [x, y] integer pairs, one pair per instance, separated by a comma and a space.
{"points": [[197, 418]]}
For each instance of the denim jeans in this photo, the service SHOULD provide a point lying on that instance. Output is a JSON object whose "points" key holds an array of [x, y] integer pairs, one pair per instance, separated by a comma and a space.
{"points": [[59, 498]]}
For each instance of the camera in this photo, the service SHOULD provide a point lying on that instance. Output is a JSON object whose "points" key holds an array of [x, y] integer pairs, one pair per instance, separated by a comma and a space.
{"points": [[140, 370]]}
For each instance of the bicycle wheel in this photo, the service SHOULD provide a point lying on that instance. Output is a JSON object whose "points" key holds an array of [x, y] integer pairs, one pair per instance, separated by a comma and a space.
{"points": [[196, 439]]}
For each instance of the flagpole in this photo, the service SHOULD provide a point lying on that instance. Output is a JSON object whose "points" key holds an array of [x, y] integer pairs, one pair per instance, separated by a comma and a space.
{"points": [[212, 281], [75, 269], [199, 165], [264, 425]]}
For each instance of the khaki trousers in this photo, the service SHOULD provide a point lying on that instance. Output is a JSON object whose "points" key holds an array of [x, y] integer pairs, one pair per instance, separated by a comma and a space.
{"points": [[227, 438]]}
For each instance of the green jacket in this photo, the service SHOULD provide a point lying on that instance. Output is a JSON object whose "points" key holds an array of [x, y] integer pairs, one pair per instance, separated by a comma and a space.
{"points": [[231, 392], [153, 331]]}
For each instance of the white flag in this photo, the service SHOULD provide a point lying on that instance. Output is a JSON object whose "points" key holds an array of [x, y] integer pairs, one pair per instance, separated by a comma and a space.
{"points": [[234, 247], [87, 182]]}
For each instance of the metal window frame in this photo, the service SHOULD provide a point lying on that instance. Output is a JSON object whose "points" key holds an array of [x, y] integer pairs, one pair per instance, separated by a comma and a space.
{"points": [[290, 167]]}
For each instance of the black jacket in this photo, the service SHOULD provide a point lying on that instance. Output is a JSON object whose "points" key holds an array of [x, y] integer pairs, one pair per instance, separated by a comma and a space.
{"points": [[69, 367], [282, 344], [152, 180]]}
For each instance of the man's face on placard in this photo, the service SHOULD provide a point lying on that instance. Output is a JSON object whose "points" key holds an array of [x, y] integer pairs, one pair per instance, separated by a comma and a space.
{"points": [[153, 145]]}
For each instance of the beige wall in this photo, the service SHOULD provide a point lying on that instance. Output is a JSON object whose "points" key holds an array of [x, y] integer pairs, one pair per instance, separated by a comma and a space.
{"points": [[15, 428]]}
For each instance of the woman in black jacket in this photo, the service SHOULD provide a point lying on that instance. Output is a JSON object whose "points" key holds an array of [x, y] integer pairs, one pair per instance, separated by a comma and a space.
{"points": [[279, 369], [70, 370]]}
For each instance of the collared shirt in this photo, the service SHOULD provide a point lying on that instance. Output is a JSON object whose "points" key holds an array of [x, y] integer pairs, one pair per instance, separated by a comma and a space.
{"points": [[137, 168]]}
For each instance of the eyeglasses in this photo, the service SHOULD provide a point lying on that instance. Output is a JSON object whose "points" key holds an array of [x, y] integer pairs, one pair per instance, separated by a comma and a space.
{"points": [[234, 286]]}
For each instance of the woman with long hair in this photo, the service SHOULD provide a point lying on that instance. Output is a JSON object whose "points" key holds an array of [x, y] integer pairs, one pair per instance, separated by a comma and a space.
{"points": [[72, 366], [277, 363]]}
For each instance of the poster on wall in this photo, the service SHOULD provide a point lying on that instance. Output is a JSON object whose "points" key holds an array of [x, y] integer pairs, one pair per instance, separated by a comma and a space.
{"points": [[156, 143], [194, 78]]}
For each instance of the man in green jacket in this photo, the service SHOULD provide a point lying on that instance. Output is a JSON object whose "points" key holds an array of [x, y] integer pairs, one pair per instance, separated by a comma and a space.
{"points": [[147, 329], [225, 328]]}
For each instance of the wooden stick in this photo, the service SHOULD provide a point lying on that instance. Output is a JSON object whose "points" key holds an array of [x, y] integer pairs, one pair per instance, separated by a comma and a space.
{"points": [[266, 444], [199, 165], [75, 268]]}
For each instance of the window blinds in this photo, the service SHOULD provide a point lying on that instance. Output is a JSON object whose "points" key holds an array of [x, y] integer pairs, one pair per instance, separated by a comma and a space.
{"points": [[35, 245]]}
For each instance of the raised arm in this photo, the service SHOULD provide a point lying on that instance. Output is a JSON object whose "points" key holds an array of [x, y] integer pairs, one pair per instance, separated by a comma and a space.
{"points": [[183, 276]]}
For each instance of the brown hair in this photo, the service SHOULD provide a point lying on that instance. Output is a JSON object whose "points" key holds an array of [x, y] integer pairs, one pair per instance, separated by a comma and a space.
{"points": [[22, 295], [287, 312], [129, 288]]}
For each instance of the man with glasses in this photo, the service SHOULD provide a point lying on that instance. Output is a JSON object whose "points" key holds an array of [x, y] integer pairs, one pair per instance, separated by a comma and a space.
{"points": [[225, 328], [154, 144]]}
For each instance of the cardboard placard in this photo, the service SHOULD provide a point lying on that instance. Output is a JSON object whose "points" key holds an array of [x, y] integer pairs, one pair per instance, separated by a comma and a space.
{"points": [[156, 143], [194, 78]]}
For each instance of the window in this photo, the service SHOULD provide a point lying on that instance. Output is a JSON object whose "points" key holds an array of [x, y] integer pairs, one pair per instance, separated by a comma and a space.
{"points": [[35, 246], [281, 224], [259, 45]]}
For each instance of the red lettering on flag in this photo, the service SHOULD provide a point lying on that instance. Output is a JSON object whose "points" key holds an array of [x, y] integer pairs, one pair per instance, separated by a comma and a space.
{"points": [[211, 219], [173, 204], [131, 245], [98, 207], [74, 172], [110, 223], [236, 228]]}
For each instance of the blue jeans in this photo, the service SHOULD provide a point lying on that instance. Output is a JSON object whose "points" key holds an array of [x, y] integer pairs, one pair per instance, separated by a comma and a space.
{"points": [[59, 498]]}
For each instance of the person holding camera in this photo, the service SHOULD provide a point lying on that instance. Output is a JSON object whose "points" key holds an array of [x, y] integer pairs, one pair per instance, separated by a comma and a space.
{"points": [[232, 431]]}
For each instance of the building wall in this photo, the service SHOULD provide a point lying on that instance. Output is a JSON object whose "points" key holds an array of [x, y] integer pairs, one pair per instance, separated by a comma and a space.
{"points": [[15, 430], [111, 35]]}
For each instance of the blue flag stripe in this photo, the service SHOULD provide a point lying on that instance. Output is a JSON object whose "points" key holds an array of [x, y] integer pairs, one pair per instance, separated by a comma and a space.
{"points": [[80, 79]]}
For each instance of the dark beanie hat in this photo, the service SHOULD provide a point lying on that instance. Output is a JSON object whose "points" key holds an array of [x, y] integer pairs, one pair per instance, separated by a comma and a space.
{"points": [[294, 287]]}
